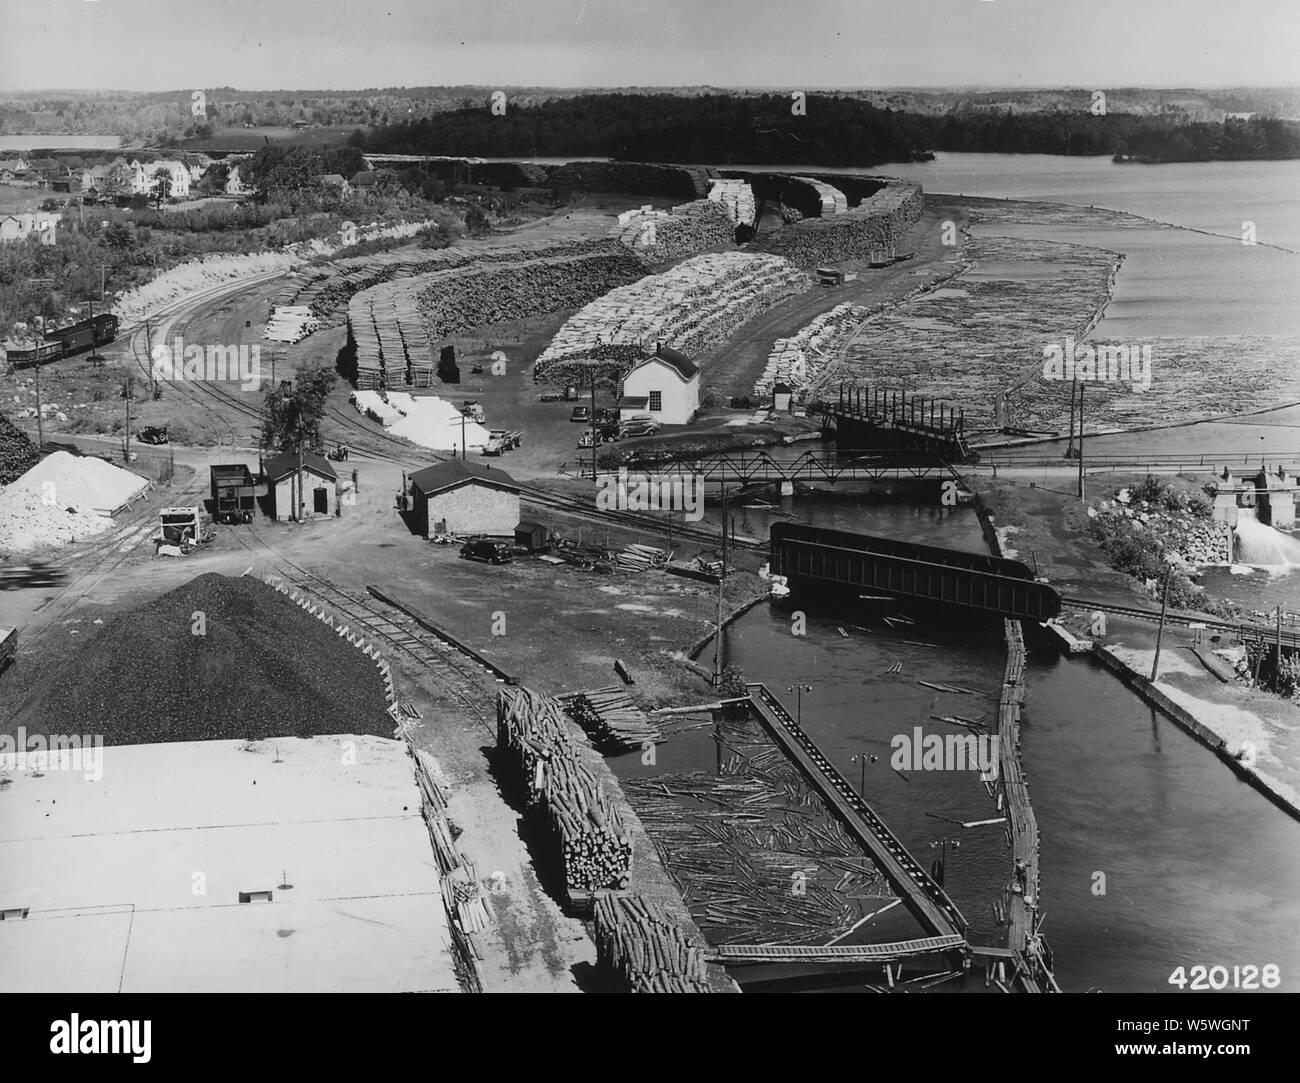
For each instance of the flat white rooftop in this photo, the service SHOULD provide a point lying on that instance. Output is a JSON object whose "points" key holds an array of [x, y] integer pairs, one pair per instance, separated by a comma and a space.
{"points": [[133, 881]]}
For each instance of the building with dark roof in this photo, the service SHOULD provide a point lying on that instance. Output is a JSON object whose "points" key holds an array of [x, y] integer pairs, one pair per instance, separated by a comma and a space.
{"points": [[320, 486], [665, 386], [464, 498]]}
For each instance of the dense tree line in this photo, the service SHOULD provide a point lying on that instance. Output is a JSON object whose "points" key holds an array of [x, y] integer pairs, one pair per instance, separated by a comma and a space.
{"points": [[833, 130]]}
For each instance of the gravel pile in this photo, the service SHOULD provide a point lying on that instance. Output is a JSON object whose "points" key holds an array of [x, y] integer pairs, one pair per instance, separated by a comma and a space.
{"points": [[264, 668], [17, 453], [28, 521]]}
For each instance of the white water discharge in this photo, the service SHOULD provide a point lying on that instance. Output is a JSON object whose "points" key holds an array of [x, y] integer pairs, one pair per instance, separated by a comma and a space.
{"points": [[1263, 547]]}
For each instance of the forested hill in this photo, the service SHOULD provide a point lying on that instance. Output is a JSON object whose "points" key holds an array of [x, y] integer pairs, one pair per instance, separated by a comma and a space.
{"points": [[820, 129]]}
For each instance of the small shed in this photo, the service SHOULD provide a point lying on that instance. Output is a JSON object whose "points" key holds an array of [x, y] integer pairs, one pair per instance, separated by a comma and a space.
{"points": [[459, 497], [320, 485], [531, 536], [782, 397]]}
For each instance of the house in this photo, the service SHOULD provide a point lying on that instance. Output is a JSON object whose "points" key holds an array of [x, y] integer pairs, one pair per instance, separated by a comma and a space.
{"points": [[364, 182], [18, 227], [782, 397], [234, 185], [666, 386], [104, 181], [68, 184], [459, 497], [335, 183], [146, 173], [18, 171], [320, 486]]}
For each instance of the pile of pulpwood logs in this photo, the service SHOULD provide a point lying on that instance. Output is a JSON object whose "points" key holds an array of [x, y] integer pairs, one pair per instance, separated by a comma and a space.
{"points": [[691, 306], [663, 235], [611, 716], [877, 222], [594, 847], [633, 178], [645, 949]]}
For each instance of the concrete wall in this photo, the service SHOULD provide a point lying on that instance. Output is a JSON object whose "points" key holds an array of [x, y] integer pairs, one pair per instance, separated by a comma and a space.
{"points": [[470, 509]]}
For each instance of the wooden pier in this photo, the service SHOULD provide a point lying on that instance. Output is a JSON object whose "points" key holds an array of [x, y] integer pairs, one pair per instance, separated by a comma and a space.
{"points": [[926, 900]]}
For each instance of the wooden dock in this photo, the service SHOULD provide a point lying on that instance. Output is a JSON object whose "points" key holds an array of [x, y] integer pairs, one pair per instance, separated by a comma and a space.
{"points": [[926, 900]]}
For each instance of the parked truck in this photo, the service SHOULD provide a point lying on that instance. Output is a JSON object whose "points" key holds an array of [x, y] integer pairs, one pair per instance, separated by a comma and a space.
{"points": [[233, 494]]}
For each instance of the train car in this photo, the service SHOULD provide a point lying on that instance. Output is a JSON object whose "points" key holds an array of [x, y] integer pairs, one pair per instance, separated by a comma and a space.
{"points": [[66, 341], [85, 334], [25, 357]]}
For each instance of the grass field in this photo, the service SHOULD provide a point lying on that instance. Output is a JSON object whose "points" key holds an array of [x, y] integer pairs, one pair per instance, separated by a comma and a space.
{"points": [[15, 200]]}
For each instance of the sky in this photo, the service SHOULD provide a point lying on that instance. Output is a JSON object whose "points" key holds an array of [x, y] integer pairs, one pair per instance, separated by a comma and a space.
{"points": [[798, 44]]}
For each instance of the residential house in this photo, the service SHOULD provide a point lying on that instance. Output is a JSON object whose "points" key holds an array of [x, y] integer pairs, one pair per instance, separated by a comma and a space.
{"points": [[176, 172], [335, 183], [320, 486], [234, 183], [18, 227], [18, 171], [665, 386], [459, 497]]}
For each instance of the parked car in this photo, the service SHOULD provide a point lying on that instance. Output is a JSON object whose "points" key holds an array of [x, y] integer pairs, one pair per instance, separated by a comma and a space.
{"points": [[495, 445], [490, 552], [581, 413], [638, 427], [152, 434]]}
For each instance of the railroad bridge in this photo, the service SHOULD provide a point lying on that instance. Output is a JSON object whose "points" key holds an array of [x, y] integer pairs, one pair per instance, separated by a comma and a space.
{"points": [[993, 585], [739, 468]]}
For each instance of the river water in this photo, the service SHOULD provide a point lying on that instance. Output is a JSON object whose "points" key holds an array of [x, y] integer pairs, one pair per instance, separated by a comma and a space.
{"points": [[1154, 856]]}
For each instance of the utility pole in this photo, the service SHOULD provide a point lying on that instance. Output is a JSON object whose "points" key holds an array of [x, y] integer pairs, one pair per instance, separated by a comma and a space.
{"points": [[1081, 487], [1160, 632], [126, 447], [462, 436], [148, 342], [1069, 448], [593, 425], [40, 414], [1277, 671], [717, 635]]}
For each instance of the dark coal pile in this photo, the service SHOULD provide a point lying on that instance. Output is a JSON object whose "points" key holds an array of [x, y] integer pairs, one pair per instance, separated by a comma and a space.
{"points": [[17, 453], [264, 668]]}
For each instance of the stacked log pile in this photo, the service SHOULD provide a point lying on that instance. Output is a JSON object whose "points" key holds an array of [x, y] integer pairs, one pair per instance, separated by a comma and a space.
{"points": [[396, 325], [641, 558], [658, 236], [642, 946], [695, 305], [594, 847], [290, 323], [606, 361], [758, 856], [833, 201], [799, 360], [737, 198], [877, 222], [611, 717]]}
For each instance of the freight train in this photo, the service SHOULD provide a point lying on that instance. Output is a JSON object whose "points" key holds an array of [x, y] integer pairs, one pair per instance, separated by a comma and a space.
{"points": [[66, 341]]}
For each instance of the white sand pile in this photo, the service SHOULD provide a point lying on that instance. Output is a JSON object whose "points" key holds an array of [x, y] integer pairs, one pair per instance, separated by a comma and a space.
{"points": [[83, 481], [372, 404], [435, 423], [194, 275], [27, 522]]}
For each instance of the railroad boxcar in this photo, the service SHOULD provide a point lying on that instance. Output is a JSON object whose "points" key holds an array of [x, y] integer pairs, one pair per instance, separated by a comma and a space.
{"points": [[66, 341]]}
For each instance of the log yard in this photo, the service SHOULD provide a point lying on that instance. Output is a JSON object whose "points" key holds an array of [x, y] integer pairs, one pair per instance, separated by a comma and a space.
{"points": [[671, 540]]}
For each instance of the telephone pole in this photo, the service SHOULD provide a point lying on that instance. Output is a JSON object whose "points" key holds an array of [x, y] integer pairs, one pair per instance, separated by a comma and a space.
{"points": [[1160, 632], [1081, 486]]}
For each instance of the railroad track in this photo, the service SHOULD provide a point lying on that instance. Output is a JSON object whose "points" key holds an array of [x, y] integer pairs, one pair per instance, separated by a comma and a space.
{"points": [[1290, 638], [586, 510], [463, 677]]}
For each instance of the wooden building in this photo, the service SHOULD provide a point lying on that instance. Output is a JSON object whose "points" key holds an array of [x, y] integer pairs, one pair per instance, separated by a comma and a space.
{"points": [[320, 486]]}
